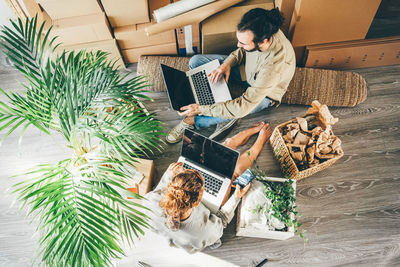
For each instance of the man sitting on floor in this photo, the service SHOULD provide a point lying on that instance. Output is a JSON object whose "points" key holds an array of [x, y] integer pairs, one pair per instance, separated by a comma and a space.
{"points": [[265, 59]]}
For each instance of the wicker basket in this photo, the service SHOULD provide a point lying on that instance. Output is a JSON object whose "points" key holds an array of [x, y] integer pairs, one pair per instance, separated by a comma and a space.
{"points": [[286, 162]]}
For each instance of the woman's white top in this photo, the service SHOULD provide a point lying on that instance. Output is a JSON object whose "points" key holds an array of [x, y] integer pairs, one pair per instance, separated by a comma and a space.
{"points": [[197, 232]]}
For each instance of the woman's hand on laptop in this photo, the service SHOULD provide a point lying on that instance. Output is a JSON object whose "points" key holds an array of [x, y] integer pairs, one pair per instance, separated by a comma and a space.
{"points": [[190, 110], [175, 168], [223, 69], [239, 193]]}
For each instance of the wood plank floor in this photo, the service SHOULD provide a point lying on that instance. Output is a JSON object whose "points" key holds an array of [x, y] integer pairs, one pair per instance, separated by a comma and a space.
{"points": [[350, 210]]}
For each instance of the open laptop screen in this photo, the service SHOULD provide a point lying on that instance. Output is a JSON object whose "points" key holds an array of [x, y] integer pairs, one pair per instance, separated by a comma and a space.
{"points": [[178, 87], [209, 154]]}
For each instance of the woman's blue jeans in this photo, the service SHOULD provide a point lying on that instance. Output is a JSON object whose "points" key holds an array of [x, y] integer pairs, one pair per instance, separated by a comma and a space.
{"points": [[207, 121]]}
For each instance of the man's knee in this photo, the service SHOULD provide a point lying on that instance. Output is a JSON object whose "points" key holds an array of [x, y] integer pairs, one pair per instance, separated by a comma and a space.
{"points": [[196, 61]]}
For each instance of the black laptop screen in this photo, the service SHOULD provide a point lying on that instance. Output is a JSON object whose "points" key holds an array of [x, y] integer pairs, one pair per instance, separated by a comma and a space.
{"points": [[178, 87], [209, 154]]}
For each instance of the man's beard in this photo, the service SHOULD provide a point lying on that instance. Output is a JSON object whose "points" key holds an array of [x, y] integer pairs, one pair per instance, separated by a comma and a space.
{"points": [[256, 48]]}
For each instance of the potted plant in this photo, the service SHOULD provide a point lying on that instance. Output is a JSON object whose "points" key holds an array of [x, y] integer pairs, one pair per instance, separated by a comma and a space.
{"points": [[268, 210], [80, 202]]}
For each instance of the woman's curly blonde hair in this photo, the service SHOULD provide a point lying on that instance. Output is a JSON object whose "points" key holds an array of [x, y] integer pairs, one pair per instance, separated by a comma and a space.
{"points": [[181, 193]]}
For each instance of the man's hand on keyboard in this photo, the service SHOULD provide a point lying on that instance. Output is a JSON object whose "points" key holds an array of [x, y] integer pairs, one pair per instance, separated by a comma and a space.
{"points": [[223, 69], [190, 110]]}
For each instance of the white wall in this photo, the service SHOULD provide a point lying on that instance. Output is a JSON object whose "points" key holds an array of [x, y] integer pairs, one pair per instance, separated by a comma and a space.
{"points": [[5, 13]]}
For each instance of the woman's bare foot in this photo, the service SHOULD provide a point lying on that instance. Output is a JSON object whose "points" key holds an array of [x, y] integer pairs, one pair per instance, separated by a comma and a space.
{"points": [[242, 137], [264, 134], [247, 158], [262, 137]]}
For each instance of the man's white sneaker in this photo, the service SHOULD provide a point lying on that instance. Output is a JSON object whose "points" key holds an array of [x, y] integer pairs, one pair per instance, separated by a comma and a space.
{"points": [[176, 133]]}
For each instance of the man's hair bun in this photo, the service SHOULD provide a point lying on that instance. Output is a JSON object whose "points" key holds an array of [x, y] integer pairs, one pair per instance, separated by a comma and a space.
{"points": [[263, 23], [275, 16]]}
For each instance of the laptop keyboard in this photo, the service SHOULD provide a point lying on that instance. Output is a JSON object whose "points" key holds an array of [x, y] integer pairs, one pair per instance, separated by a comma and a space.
{"points": [[212, 184], [202, 88]]}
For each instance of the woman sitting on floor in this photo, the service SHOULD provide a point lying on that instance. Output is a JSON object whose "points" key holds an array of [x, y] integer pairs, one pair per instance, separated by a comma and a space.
{"points": [[175, 204]]}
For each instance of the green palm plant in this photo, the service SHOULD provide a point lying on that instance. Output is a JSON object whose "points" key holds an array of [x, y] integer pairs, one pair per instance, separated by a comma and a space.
{"points": [[81, 202]]}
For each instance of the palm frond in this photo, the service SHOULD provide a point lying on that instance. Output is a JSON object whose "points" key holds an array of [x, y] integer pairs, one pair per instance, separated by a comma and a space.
{"points": [[19, 111], [23, 46], [81, 202], [85, 209], [128, 131]]}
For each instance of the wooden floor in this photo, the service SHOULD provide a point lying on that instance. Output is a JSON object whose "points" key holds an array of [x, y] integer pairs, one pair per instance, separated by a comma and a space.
{"points": [[351, 211]]}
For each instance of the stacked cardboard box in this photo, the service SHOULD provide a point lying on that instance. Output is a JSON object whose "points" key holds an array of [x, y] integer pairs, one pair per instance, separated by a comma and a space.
{"points": [[355, 54], [80, 25], [110, 46], [146, 167], [218, 32], [134, 41], [318, 21], [126, 12], [286, 7], [315, 22], [58, 9], [134, 36], [82, 29], [188, 39]]}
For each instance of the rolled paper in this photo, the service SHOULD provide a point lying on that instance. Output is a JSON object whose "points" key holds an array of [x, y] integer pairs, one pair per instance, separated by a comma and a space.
{"points": [[177, 8], [194, 16]]}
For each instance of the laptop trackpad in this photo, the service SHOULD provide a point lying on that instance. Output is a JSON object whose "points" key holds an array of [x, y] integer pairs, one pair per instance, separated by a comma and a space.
{"points": [[221, 91]]}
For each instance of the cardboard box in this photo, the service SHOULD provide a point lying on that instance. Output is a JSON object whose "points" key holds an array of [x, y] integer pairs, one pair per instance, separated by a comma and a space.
{"points": [[300, 52], [146, 167], [83, 29], [388, 9], [109, 46], [126, 12], [286, 7], [218, 32], [33, 9], [320, 21], [58, 9], [242, 230], [355, 54], [134, 36], [132, 55], [188, 40]]}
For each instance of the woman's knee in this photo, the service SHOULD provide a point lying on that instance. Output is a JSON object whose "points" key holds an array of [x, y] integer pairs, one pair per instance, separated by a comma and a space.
{"points": [[228, 142]]}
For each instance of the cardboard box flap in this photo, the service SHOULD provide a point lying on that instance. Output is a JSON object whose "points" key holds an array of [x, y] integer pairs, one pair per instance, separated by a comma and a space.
{"points": [[134, 36], [82, 29], [126, 12], [109, 46], [316, 21], [132, 55], [69, 8]]}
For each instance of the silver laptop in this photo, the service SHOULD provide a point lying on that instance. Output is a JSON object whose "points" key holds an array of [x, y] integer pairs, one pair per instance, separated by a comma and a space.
{"points": [[214, 161], [194, 86]]}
